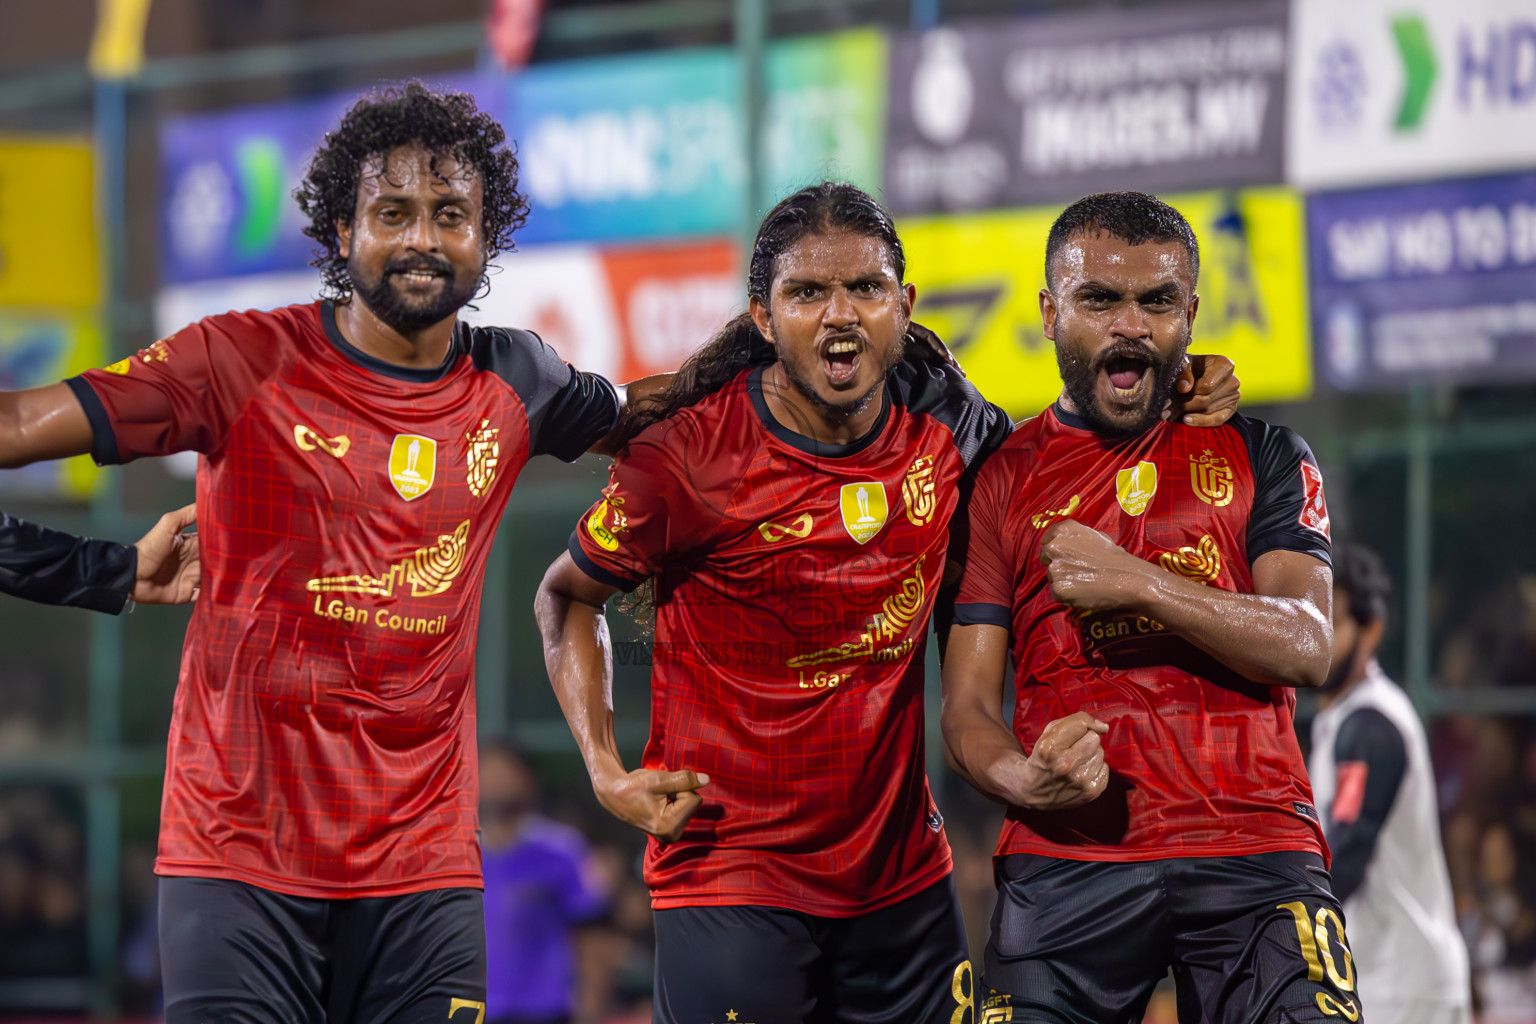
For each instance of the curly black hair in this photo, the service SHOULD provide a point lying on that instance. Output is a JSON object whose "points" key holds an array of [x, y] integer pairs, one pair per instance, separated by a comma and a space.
{"points": [[443, 123]]}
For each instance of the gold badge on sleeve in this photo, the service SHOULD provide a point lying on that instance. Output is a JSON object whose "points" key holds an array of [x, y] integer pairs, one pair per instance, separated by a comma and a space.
{"points": [[412, 465], [1135, 487], [864, 509]]}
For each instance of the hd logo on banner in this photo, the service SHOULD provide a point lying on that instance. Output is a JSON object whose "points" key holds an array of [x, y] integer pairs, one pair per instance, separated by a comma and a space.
{"points": [[1014, 113], [979, 277], [1394, 90], [1420, 283]]}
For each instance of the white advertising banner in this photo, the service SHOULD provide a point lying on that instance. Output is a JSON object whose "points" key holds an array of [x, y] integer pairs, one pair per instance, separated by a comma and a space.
{"points": [[1398, 90]]}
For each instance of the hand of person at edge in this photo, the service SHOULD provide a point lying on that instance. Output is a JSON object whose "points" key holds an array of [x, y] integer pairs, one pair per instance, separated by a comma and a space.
{"points": [[932, 346], [169, 569], [656, 802], [1206, 393]]}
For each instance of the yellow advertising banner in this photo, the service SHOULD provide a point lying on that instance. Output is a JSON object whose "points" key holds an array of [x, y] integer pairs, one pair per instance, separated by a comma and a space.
{"points": [[979, 277], [47, 224], [38, 349]]}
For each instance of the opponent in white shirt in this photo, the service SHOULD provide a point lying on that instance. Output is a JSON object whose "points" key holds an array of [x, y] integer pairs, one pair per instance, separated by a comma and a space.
{"points": [[1373, 783]]}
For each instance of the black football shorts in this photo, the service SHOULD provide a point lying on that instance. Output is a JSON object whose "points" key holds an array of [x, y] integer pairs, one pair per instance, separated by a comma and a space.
{"points": [[1251, 940], [232, 953], [902, 964]]}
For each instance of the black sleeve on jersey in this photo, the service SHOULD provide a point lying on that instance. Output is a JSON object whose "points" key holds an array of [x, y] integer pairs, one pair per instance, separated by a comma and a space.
{"points": [[592, 569], [103, 441], [51, 567], [1276, 454], [568, 411], [1366, 735], [938, 390]]}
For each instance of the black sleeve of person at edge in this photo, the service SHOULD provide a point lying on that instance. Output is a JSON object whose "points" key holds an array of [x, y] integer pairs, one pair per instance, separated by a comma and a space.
{"points": [[51, 567], [1369, 744], [568, 410]]}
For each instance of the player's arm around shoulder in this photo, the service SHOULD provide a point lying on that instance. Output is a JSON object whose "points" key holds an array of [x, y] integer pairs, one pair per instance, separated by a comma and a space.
{"points": [[41, 424]]}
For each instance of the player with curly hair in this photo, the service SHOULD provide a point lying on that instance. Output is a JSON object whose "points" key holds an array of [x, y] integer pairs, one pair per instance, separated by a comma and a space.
{"points": [[318, 856]]}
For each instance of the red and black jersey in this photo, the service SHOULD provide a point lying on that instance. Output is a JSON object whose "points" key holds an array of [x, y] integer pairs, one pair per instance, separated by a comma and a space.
{"points": [[1204, 762], [794, 583], [323, 737]]}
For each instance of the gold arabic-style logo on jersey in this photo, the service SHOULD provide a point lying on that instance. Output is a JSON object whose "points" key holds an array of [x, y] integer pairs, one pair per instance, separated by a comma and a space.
{"points": [[1135, 487], [773, 532], [308, 439], [483, 455], [159, 352], [412, 465], [1040, 520], [917, 491], [429, 570], [1211, 478], [864, 509], [1200, 562], [896, 613]]}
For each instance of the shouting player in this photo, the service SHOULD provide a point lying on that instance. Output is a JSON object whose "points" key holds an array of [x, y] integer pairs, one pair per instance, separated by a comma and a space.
{"points": [[1160, 591], [789, 499], [318, 856], [1375, 787]]}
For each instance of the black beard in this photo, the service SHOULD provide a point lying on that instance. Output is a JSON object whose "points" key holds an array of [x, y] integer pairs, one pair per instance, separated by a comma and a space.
{"points": [[401, 314], [1079, 375], [1338, 672], [846, 410]]}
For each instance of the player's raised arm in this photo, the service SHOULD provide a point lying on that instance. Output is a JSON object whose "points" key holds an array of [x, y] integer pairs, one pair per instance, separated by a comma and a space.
{"points": [[1278, 635], [41, 424], [578, 655], [1066, 766]]}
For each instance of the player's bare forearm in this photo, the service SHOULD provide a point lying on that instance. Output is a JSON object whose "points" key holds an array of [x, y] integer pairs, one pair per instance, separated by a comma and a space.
{"points": [[1279, 635], [977, 742], [579, 659], [41, 424], [636, 391]]}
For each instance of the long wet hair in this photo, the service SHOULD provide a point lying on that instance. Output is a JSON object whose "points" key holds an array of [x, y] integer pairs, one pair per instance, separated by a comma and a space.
{"points": [[814, 210]]}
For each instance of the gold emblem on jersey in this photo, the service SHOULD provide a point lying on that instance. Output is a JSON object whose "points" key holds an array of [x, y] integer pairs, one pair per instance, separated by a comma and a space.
{"points": [[159, 352], [120, 367], [1135, 487], [917, 491], [1211, 478], [429, 570], [773, 532], [864, 509], [1201, 563], [606, 522], [1041, 520], [309, 440], [412, 465], [483, 454], [896, 614]]}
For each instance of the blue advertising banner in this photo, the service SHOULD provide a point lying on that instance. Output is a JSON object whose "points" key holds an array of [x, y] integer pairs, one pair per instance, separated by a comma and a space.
{"points": [[1425, 282], [228, 177], [630, 147]]}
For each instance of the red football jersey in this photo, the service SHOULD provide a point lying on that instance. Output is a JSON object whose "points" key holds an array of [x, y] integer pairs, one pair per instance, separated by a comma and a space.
{"points": [[323, 738], [794, 586], [1203, 761]]}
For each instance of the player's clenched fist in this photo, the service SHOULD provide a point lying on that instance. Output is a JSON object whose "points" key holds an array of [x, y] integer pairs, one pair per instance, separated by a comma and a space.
{"points": [[657, 802], [1066, 767], [1087, 570]]}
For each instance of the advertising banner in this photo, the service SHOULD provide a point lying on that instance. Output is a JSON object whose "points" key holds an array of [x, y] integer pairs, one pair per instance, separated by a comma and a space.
{"points": [[979, 278], [228, 178], [1395, 90], [37, 349], [1021, 112], [48, 255], [1420, 283]]}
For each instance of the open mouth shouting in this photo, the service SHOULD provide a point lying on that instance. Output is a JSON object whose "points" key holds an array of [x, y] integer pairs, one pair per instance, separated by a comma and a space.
{"points": [[840, 357], [1127, 371]]}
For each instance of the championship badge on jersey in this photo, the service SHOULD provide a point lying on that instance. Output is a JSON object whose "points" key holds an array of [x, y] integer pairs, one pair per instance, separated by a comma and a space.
{"points": [[412, 465], [1135, 487], [864, 509]]}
